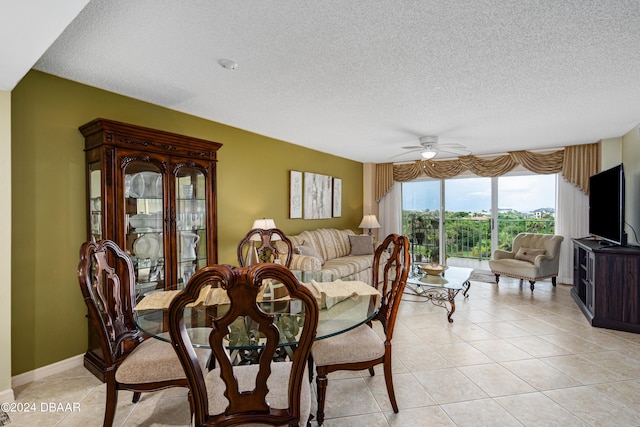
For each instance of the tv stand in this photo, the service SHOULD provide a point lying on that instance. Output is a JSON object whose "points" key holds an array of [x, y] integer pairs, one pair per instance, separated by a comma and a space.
{"points": [[606, 284]]}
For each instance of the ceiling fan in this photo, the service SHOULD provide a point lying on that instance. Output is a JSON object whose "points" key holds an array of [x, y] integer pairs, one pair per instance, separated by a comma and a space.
{"points": [[430, 148]]}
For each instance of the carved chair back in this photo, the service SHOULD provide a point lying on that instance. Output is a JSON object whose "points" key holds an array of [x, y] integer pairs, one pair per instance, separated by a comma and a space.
{"points": [[107, 281], [391, 278], [268, 249], [242, 286]]}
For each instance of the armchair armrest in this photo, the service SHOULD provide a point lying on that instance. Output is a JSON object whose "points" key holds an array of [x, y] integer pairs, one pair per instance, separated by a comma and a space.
{"points": [[542, 259], [500, 254]]}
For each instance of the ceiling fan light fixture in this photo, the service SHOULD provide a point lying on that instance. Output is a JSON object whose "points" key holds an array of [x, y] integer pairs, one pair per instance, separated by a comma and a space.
{"points": [[428, 154]]}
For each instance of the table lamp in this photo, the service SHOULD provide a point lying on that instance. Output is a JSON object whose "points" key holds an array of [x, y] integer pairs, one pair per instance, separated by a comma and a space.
{"points": [[369, 221], [265, 224]]}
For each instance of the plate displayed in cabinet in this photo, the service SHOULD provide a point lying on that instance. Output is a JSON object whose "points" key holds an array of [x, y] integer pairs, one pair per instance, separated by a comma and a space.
{"points": [[148, 246]]}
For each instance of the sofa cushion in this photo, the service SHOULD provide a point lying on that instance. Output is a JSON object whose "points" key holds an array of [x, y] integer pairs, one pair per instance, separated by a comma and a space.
{"points": [[361, 244], [307, 263], [331, 243], [529, 254], [346, 266], [308, 250]]}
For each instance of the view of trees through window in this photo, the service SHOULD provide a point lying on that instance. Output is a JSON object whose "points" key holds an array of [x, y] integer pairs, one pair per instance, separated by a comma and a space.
{"points": [[523, 203]]}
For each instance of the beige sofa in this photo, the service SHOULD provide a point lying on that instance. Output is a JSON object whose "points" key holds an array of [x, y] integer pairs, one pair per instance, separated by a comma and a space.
{"points": [[341, 252], [533, 257]]}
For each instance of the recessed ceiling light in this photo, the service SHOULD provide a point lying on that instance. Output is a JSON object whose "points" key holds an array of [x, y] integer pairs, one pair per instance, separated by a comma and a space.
{"points": [[228, 64]]}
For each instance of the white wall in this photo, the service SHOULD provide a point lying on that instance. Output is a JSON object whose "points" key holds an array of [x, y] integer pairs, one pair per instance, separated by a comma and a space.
{"points": [[611, 153], [5, 246], [626, 150], [631, 161]]}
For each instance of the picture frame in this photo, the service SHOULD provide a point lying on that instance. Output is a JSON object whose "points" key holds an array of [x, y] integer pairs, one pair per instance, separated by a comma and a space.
{"points": [[337, 197], [295, 194], [317, 196]]}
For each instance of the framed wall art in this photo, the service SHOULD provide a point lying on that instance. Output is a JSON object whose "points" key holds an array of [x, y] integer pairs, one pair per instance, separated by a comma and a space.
{"points": [[295, 194], [337, 197], [317, 196]]}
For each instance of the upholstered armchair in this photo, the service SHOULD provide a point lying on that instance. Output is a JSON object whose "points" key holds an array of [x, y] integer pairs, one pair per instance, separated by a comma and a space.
{"points": [[533, 257]]}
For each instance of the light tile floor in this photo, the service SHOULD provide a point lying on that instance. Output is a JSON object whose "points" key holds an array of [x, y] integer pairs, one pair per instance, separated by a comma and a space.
{"points": [[511, 358]]}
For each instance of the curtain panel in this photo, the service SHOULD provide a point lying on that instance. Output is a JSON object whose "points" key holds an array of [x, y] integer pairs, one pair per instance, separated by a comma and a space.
{"points": [[576, 163]]}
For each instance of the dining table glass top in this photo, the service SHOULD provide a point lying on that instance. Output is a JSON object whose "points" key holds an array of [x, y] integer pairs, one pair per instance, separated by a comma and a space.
{"points": [[343, 305]]}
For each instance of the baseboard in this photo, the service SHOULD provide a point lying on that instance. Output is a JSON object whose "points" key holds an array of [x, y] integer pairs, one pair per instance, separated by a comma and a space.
{"points": [[47, 371], [6, 396]]}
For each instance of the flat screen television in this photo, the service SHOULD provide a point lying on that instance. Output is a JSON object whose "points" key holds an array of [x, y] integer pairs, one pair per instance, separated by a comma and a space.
{"points": [[606, 206]]}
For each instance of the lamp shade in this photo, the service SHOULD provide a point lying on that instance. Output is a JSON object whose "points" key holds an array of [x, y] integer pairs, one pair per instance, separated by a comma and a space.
{"points": [[265, 224], [369, 221], [428, 154]]}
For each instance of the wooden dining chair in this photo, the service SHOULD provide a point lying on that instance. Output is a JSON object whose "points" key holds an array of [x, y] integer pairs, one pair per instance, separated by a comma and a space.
{"points": [[107, 280], [269, 392], [362, 348], [268, 250]]}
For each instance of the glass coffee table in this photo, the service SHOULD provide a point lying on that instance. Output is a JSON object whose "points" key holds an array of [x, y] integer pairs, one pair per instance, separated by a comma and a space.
{"points": [[440, 289]]}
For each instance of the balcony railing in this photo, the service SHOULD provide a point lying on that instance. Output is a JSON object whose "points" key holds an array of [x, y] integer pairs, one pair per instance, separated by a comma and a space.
{"points": [[471, 238]]}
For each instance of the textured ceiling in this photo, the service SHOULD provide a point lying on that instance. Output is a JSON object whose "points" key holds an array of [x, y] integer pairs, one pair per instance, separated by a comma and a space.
{"points": [[361, 78]]}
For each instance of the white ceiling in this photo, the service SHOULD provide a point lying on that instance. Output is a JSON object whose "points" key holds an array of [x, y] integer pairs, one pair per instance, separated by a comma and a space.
{"points": [[361, 78]]}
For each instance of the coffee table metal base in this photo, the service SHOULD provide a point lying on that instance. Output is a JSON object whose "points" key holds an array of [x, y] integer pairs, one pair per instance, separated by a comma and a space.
{"points": [[439, 296], [442, 289]]}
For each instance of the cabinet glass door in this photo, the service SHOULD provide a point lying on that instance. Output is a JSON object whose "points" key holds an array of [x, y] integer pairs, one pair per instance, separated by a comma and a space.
{"points": [[95, 201], [191, 222], [144, 224]]}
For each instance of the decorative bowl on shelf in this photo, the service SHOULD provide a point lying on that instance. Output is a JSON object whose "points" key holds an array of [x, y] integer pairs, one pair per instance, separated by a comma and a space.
{"points": [[433, 268], [151, 221], [146, 184]]}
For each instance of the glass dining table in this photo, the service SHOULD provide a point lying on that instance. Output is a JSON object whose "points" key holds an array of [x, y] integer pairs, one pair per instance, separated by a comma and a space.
{"points": [[343, 305]]}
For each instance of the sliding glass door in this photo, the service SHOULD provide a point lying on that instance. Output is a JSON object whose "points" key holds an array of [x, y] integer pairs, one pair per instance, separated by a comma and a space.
{"points": [[461, 221], [527, 203], [421, 219], [468, 218]]}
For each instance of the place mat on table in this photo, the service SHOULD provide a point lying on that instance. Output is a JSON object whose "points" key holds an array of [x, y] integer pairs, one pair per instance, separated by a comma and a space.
{"points": [[329, 294], [208, 296]]}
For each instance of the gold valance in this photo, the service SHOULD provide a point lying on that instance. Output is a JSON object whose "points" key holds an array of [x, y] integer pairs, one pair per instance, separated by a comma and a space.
{"points": [[580, 162], [577, 164]]}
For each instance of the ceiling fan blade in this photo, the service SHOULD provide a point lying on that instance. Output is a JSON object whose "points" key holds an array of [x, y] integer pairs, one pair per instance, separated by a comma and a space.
{"points": [[412, 147], [406, 152], [453, 145], [456, 151]]}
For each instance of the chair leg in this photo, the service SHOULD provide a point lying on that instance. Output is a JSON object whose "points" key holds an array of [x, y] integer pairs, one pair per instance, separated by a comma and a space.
{"points": [[372, 372], [192, 409], [310, 367], [553, 280], [388, 379], [497, 278], [111, 403], [532, 282], [136, 396], [321, 381]]}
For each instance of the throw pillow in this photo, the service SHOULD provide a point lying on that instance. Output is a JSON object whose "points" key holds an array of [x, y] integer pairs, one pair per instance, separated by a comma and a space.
{"points": [[361, 244], [529, 254], [308, 250]]}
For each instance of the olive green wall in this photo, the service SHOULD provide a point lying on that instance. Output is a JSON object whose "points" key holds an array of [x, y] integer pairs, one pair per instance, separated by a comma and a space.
{"points": [[48, 200]]}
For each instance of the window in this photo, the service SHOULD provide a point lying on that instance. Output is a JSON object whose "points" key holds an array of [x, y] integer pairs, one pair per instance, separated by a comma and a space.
{"points": [[456, 218]]}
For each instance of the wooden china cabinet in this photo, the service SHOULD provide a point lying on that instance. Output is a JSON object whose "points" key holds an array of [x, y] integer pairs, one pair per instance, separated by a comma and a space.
{"points": [[154, 194]]}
